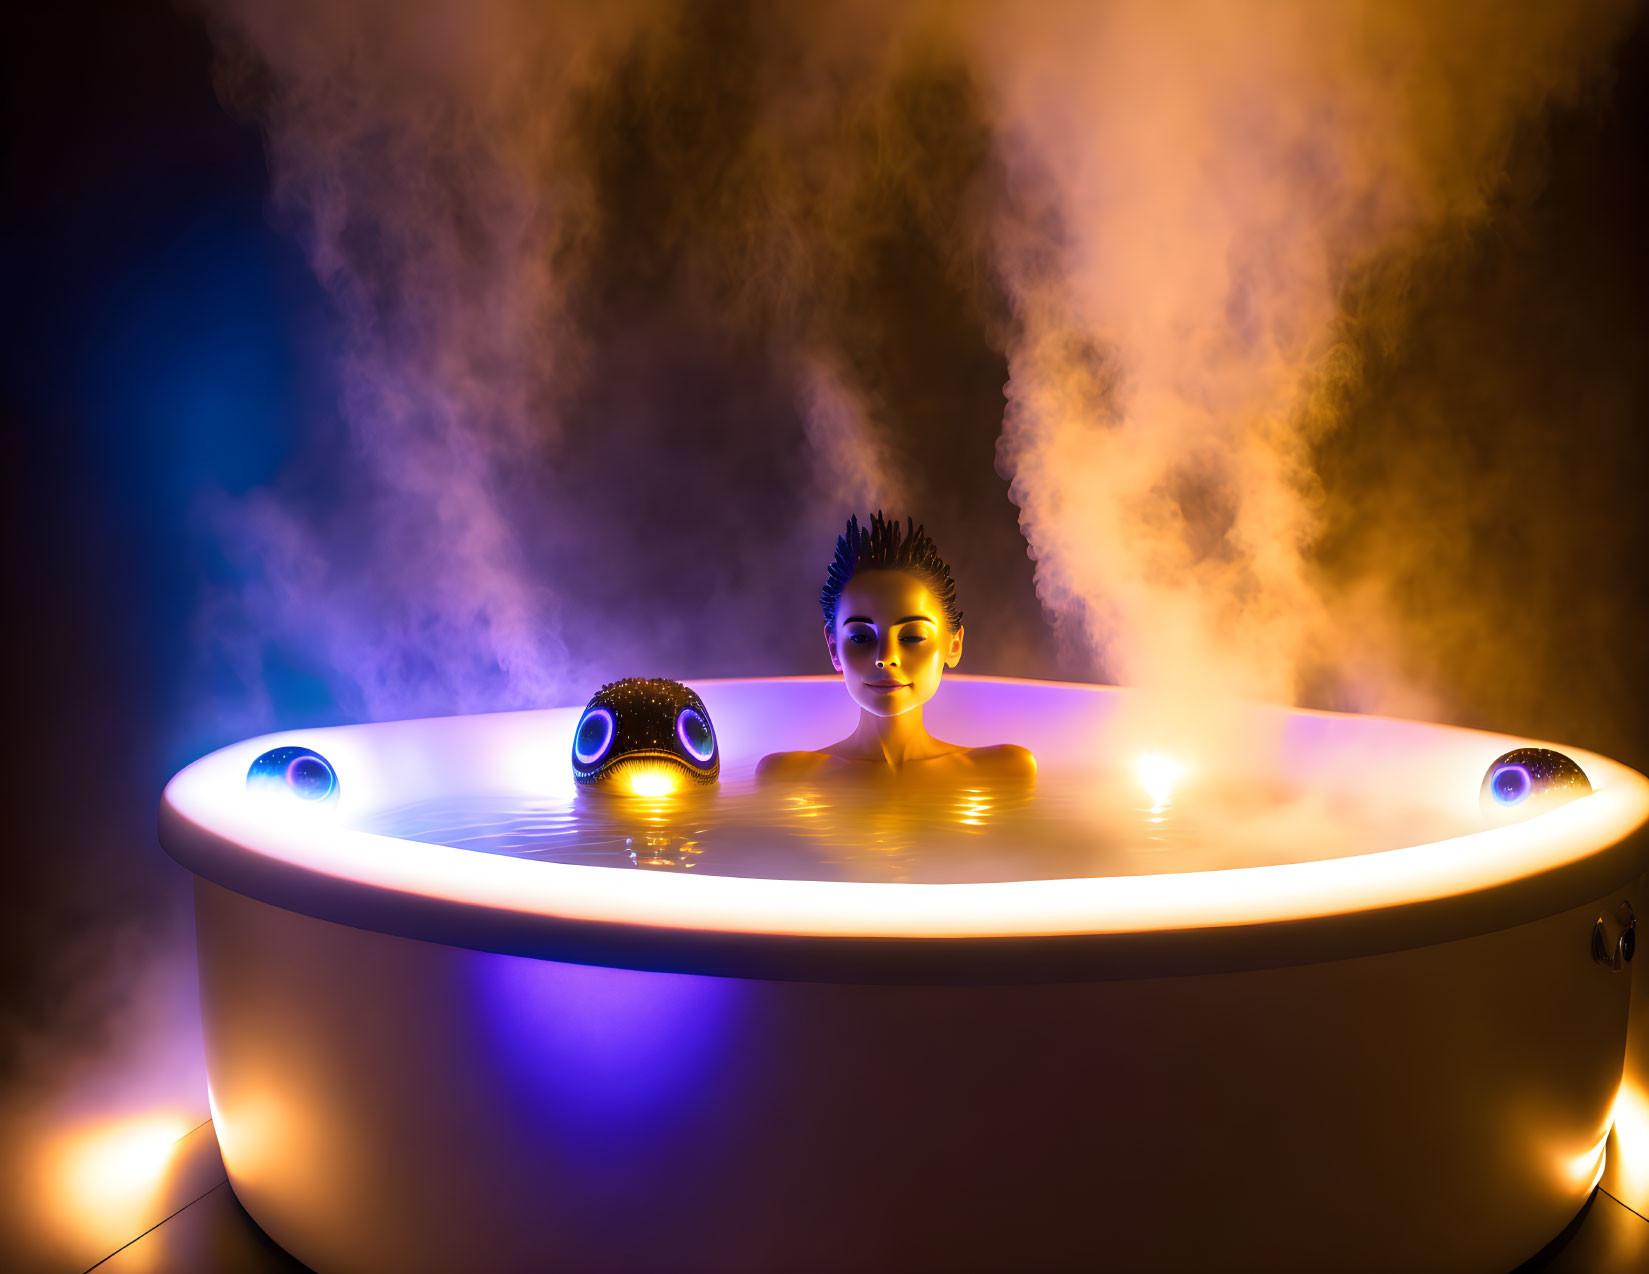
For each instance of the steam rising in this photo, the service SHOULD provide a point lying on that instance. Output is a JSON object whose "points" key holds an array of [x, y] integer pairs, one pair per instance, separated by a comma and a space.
{"points": [[622, 340], [405, 152], [588, 263], [1217, 175]]}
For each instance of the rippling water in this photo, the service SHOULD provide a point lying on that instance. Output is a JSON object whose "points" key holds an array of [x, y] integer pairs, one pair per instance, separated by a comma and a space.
{"points": [[1070, 824]]}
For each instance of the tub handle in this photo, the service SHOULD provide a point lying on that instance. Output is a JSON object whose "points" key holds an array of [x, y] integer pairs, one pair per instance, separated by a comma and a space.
{"points": [[1625, 945]]}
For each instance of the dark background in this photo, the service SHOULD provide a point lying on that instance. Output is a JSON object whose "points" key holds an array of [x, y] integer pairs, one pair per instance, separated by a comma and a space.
{"points": [[166, 346]]}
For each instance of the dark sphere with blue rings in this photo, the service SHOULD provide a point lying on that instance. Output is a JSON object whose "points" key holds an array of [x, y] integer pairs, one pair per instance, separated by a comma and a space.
{"points": [[1529, 781], [297, 772], [645, 735]]}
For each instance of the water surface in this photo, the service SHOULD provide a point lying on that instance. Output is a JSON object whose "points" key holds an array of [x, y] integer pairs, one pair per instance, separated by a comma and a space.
{"points": [[1072, 823]]}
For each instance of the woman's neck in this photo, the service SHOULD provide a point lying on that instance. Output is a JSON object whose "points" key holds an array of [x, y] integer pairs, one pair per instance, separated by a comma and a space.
{"points": [[891, 740]]}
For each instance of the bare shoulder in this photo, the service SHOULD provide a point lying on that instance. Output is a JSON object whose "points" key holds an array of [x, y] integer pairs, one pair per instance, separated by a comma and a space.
{"points": [[778, 766], [1004, 760]]}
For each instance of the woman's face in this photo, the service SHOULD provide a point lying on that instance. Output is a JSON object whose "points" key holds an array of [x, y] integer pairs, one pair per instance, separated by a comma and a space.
{"points": [[890, 642]]}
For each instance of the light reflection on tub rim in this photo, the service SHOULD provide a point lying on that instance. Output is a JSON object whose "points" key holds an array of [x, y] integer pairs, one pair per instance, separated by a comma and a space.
{"points": [[836, 930]]}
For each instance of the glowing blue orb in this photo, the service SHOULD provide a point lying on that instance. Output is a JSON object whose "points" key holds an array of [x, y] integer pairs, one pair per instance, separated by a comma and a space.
{"points": [[593, 736], [1528, 781], [298, 772], [1511, 784], [694, 732]]}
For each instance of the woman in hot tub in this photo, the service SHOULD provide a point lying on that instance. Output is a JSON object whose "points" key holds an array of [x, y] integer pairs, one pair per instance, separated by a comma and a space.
{"points": [[892, 628]]}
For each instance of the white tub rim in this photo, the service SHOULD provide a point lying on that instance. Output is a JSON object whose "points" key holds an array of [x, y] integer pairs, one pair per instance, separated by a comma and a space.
{"points": [[1018, 930]]}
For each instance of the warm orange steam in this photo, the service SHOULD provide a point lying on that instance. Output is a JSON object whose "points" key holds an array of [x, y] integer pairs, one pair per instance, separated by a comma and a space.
{"points": [[1217, 173], [1161, 211]]}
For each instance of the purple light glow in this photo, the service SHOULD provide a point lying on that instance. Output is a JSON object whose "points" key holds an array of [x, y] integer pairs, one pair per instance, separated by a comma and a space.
{"points": [[601, 1054], [310, 777], [701, 752], [1512, 783]]}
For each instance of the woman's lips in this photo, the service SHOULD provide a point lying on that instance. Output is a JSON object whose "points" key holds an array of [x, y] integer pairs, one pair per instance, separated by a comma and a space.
{"points": [[887, 685]]}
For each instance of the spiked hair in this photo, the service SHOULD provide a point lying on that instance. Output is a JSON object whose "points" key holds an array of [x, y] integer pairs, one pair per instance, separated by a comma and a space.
{"points": [[885, 546]]}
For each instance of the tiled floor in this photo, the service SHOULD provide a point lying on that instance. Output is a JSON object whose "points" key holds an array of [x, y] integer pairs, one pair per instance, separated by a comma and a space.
{"points": [[213, 1235]]}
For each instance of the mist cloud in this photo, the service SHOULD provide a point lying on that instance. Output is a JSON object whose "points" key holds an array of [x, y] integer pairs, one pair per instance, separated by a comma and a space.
{"points": [[620, 292], [1216, 176]]}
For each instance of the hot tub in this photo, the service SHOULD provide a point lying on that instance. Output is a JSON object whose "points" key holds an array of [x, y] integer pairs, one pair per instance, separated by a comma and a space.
{"points": [[424, 1058]]}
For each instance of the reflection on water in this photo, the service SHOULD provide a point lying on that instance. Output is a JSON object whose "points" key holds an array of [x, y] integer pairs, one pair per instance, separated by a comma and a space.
{"points": [[1075, 823]]}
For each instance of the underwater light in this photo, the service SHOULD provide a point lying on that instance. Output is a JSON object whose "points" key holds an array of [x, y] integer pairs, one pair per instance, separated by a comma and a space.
{"points": [[1528, 781], [294, 771], [1158, 774], [651, 779]]}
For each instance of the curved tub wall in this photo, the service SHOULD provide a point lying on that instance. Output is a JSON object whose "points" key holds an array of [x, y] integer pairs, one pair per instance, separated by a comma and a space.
{"points": [[382, 1102], [1627, 1174], [1404, 1060]]}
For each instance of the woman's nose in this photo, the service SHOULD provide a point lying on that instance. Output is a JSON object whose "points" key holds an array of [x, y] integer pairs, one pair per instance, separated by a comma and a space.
{"points": [[886, 653]]}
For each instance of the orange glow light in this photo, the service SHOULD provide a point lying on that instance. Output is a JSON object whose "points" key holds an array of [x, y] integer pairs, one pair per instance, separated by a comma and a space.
{"points": [[1586, 1168], [1158, 774], [653, 780], [102, 1181], [1630, 1160]]}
